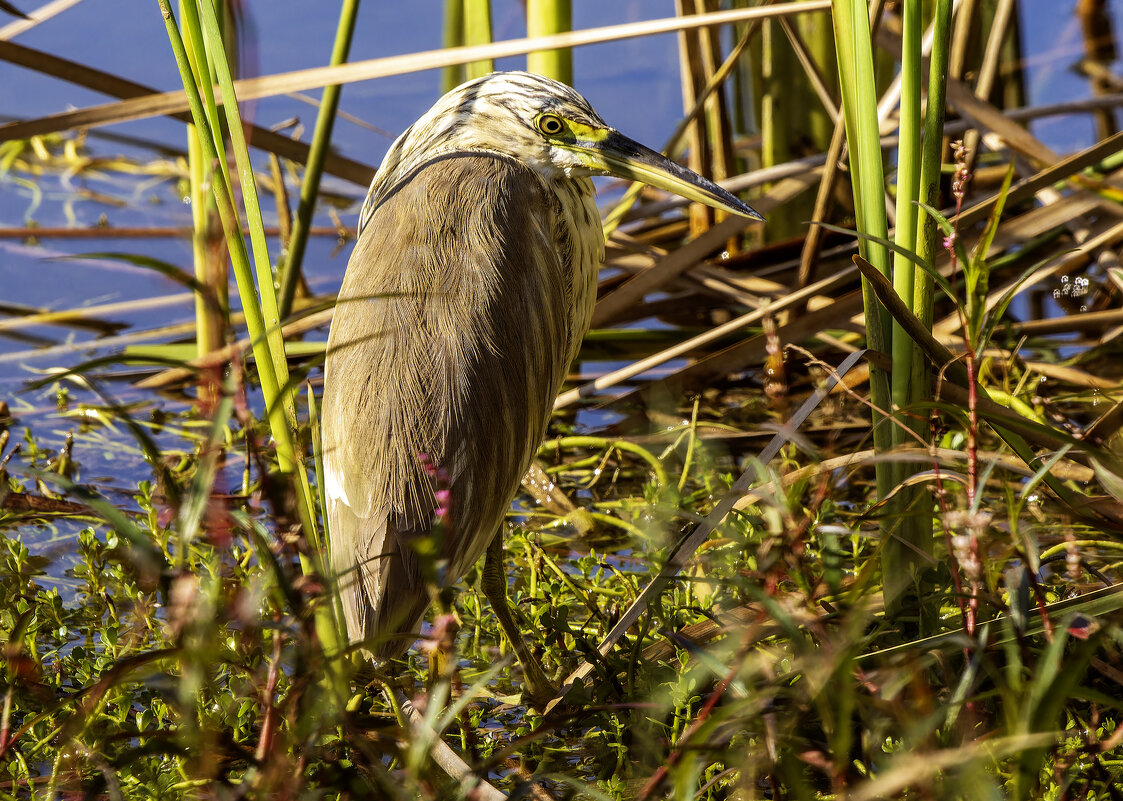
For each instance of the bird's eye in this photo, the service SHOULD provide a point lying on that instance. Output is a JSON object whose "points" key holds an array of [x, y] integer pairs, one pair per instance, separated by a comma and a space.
{"points": [[550, 125]]}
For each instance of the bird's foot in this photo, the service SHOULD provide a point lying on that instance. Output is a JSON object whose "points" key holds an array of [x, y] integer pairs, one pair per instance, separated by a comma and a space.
{"points": [[538, 691]]}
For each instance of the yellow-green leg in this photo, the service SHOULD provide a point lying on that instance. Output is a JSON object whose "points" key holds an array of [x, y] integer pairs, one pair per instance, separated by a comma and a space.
{"points": [[494, 583]]}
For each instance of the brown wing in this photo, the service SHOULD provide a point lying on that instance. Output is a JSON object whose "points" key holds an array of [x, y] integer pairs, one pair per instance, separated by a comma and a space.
{"points": [[450, 339]]}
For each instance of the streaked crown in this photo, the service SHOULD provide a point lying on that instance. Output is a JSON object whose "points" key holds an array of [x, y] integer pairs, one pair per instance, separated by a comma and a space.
{"points": [[516, 114]]}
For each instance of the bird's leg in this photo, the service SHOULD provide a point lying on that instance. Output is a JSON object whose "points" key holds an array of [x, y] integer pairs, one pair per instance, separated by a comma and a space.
{"points": [[494, 583]]}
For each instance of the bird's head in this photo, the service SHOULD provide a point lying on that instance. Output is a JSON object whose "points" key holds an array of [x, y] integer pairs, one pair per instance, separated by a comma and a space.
{"points": [[547, 126]]}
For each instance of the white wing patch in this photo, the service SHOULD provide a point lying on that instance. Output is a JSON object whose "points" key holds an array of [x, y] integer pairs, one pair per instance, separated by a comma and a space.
{"points": [[333, 485]]}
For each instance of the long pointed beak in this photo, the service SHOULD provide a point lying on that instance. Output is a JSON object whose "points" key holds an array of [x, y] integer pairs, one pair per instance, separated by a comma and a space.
{"points": [[622, 157]]}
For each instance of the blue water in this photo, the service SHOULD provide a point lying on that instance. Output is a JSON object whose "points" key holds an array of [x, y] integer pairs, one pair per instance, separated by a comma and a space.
{"points": [[279, 37], [634, 84]]}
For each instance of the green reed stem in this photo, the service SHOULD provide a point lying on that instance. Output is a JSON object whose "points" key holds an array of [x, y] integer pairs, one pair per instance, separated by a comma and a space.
{"points": [[921, 298], [543, 18], [859, 101], [210, 313], [859, 106], [454, 74], [267, 343], [931, 162], [905, 554], [255, 320], [280, 402], [204, 81], [205, 341], [259, 247], [477, 30], [908, 185], [293, 261]]}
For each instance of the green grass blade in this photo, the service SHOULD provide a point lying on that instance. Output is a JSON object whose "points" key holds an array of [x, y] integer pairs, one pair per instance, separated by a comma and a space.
{"points": [[261, 314], [314, 169], [859, 106]]}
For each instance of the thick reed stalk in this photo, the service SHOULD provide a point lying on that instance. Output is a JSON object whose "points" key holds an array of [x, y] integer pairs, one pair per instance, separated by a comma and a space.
{"points": [[925, 246], [859, 107], [477, 30], [207, 245], [904, 553], [454, 74], [543, 18], [210, 266], [314, 169]]}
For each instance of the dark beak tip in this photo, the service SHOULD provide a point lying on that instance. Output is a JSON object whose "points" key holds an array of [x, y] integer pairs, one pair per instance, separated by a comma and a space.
{"points": [[751, 213]]}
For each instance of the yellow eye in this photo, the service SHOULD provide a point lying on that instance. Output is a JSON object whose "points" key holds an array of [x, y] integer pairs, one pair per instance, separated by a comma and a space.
{"points": [[550, 125]]}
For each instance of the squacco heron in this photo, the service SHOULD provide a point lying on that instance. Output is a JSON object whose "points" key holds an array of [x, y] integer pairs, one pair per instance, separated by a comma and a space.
{"points": [[466, 298]]}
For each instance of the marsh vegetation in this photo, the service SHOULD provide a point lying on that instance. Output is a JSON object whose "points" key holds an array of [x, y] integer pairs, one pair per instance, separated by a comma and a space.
{"points": [[827, 509]]}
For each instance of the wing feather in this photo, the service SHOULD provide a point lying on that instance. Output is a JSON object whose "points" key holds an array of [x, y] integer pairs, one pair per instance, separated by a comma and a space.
{"points": [[454, 329]]}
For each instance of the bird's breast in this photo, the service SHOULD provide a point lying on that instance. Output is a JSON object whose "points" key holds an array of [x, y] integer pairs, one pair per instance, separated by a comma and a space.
{"points": [[579, 226]]}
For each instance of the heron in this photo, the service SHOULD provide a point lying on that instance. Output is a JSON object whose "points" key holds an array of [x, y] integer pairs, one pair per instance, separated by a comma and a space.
{"points": [[465, 299]]}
